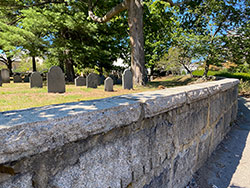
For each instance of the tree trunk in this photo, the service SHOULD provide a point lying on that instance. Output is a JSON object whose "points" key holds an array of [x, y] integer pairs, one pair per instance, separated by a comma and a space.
{"points": [[187, 69], [70, 74], [206, 69], [34, 63], [135, 22], [9, 65]]}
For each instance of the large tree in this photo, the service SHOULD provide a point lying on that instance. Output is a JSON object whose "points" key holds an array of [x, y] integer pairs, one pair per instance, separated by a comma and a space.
{"points": [[135, 22]]}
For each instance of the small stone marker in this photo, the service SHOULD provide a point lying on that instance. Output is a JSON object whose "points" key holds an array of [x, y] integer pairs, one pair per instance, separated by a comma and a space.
{"points": [[108, 84], [17, 79], [56, 80], [80, 81], [5, 76], [127, 79], [26, 78], [36, 80], [92, 80]]}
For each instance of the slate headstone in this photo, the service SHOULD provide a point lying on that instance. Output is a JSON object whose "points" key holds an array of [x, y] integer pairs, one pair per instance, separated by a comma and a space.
{"points": [[114, 78], [56, 80], [80, 81], [92, 80], [127, 79], [108, 84], [5, 76], [119, 81], [101, 79], [26, 78], [36, 80], [17, 79]]}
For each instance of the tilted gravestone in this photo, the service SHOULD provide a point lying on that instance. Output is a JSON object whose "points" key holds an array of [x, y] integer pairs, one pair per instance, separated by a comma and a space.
{"points": [[36, 80], [56, 80], [80, 81], [92, 80], [127, 79], [5, 76], [108, 84], [17, 79]]}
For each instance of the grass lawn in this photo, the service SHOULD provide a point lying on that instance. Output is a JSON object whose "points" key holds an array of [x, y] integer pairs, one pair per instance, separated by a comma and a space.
{"points": [[15, 96]]}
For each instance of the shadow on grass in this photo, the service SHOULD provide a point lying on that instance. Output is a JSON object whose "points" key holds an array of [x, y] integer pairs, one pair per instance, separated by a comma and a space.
{"points": [[173, 82]]}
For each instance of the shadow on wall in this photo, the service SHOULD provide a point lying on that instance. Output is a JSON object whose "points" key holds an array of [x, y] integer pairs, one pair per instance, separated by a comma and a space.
{"points": [[222, 168], [56, 111]]}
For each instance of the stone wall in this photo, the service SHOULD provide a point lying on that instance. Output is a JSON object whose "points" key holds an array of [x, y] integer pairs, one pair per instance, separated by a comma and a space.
{"points": [[152, 140]]}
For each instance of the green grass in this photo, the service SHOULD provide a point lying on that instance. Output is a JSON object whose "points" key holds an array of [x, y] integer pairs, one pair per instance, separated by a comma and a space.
{"points": [[14, 96]]}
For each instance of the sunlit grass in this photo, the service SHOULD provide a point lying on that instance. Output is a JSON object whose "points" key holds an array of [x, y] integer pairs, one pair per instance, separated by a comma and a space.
{"points": [[15, 96]]}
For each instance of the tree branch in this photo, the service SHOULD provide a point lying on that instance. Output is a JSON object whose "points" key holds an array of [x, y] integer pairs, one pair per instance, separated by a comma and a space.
{"points": [[221, 23], [34, 4], [178, 4], [114, 11]]}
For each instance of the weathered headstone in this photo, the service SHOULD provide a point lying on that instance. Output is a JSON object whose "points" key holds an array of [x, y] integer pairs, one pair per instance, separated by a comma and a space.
{"points": [[108, 84], [119, 81], [80, 81], [127, 79], [17, 79], [56, 80], [36, 80], [5, 76], [101, 80], [92, 80], [114, 78], [26, 78]]}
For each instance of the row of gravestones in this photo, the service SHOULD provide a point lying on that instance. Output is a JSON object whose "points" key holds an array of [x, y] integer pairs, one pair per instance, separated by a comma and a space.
{"points": [[35, 79], [56, 80]]}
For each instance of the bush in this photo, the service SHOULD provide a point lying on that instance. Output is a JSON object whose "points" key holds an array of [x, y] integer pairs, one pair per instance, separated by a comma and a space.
{"points": [[239, 75]]}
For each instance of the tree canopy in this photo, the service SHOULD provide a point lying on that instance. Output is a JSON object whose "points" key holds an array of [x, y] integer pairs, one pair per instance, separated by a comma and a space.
{"points": [[212, 30]]}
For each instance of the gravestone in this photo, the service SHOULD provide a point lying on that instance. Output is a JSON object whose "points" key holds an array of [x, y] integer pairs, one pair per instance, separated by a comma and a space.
{"points": [[1, 79], [92, 80], [26, 78], [5, 76], [56, 80], [17, 79], [101, 80], [127, 79], [119, 81], [114, 78], [108, 84], [36, 80], [80, 81]]}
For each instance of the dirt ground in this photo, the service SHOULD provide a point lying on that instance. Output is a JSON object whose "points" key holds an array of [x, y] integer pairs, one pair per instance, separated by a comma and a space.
{"points": [[229, 165]]}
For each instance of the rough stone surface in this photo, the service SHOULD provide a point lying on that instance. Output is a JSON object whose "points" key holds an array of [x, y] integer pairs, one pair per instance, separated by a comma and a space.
{"points": [[108, 84], [80, 81], [92, 80], [5, 76], [17, 79], [56, 80], [127, 79], [147, 140], [36, 80]]}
